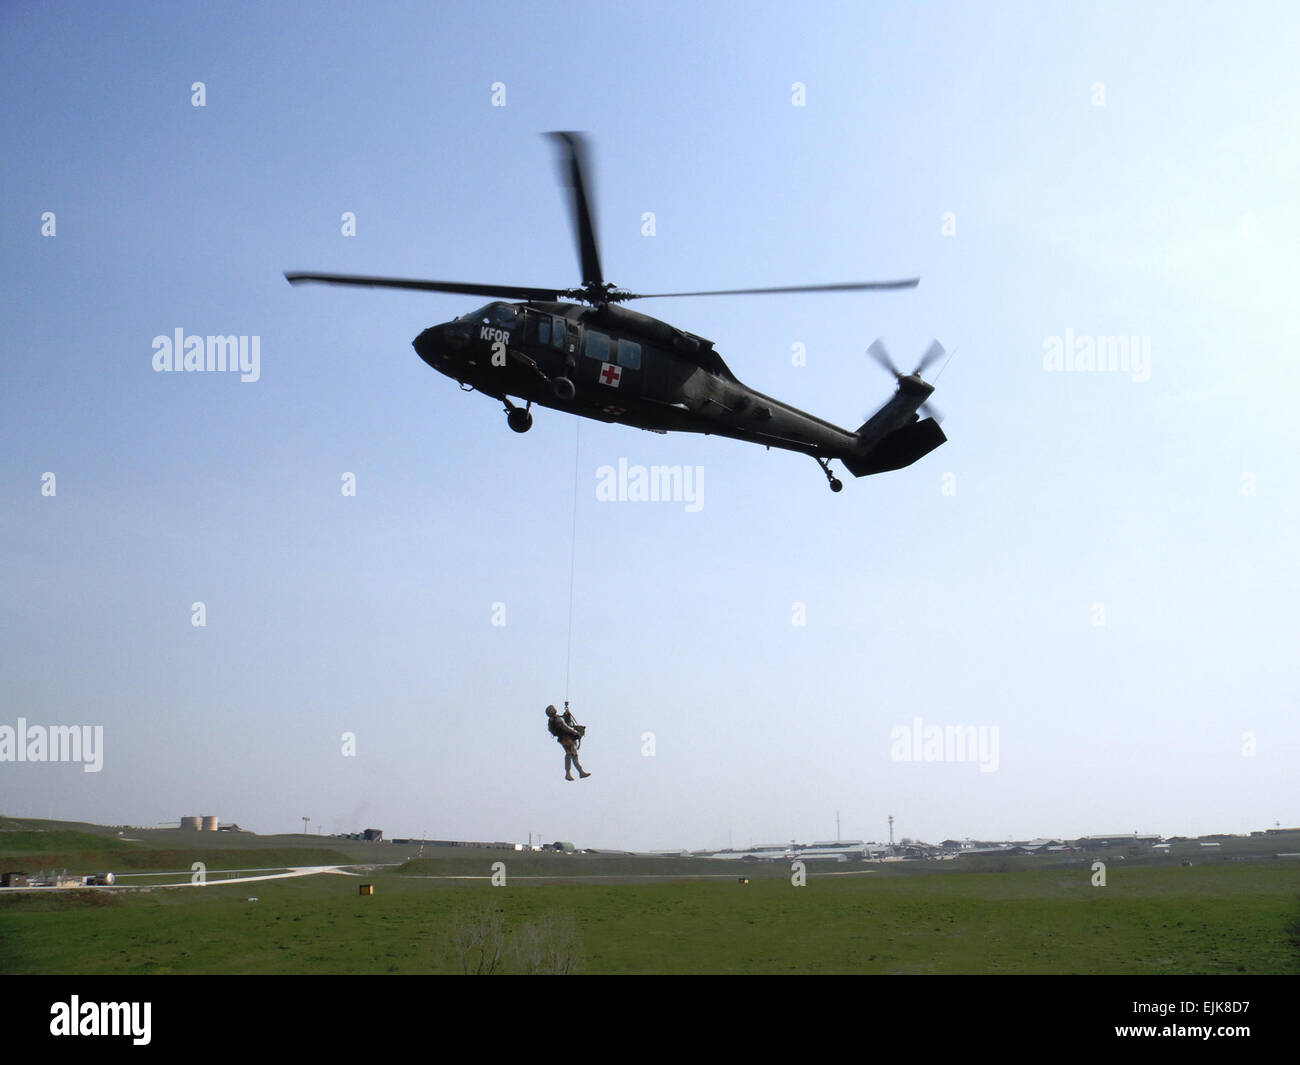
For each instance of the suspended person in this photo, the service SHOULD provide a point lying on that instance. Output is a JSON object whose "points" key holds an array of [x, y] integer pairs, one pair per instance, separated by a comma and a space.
{"points": [[568, 733]]}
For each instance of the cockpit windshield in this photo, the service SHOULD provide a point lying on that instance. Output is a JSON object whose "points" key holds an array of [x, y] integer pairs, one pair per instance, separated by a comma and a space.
{"points": [[501, 315]]}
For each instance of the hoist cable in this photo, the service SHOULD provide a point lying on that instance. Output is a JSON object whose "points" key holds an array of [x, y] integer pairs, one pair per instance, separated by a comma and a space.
{"points": [[573, 557]]}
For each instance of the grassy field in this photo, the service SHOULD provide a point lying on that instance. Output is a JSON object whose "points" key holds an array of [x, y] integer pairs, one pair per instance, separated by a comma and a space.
{"points": [[623, 914], [1225, 919]]}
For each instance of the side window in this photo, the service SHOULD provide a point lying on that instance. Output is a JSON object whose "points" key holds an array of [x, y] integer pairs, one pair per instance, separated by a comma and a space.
{"points": [[544, 330], [597, 346], [629, 354], [505, 315], [557, 334], [481, 315]]}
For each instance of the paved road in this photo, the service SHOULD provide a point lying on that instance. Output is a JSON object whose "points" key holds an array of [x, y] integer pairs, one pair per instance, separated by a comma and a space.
{"points": [[214, 879]]}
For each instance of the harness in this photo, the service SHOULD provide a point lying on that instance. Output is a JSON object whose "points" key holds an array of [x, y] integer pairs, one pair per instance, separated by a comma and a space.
{"points": [[555, 727]]}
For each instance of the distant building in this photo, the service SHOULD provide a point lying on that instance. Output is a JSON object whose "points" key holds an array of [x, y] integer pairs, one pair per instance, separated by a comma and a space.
{"points": [[374, 835], [1118, 839], [14, 880], [1041, 844], [821, 851]]}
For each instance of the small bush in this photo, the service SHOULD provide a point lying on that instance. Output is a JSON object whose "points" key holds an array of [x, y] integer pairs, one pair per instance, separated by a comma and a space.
{"points": [[549, 946], [479, 941]]}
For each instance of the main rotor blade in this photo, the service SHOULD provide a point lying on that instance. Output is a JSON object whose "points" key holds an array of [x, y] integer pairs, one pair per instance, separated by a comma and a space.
{"points": [[932, 354], [464, 288], [850, 286], [878, 352], [573, 173]]}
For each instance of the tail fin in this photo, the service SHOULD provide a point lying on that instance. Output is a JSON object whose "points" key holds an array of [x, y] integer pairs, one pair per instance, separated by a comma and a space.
{"points": [[897, 449]]}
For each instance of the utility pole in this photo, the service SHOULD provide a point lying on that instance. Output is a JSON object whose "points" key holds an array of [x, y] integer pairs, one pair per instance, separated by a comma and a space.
{"points": [[304, 825], [891, 832]]}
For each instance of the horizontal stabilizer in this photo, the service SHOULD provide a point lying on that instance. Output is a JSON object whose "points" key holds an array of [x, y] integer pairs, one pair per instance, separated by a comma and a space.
{"points": [[900, 448]]}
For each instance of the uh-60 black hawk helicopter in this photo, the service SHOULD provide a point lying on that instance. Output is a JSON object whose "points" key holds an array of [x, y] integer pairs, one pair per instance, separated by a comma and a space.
{"points": [[607, 362]]}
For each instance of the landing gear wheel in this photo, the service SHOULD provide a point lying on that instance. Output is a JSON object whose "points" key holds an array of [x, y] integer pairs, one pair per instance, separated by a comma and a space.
{"points": [[564, 388], [835, 484], [518, 418]]}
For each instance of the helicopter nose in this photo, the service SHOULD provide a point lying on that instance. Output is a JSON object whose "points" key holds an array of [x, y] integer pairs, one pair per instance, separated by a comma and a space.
{"points": [[437, 344], [429, 346]]}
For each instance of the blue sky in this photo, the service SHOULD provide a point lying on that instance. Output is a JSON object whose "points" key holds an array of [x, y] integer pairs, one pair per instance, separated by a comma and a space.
{"points": [[1104, 171]]}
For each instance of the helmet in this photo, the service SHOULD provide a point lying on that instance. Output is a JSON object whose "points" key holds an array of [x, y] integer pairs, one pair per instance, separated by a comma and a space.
{"points": [[551, 711]]}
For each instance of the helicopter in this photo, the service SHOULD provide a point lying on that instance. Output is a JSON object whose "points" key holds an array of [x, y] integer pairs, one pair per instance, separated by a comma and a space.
{"points": [[598, 359]]}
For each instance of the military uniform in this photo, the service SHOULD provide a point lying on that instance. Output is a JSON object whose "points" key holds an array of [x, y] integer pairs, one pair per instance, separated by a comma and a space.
{"points": [[568, 737]]}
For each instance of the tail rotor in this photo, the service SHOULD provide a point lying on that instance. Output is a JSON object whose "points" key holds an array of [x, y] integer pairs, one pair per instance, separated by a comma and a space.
{"points": [[932, 354]]}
